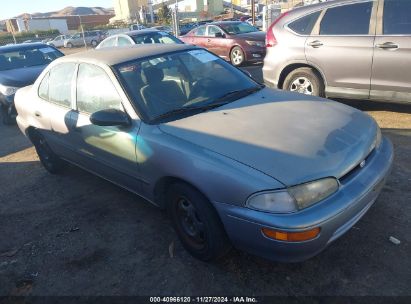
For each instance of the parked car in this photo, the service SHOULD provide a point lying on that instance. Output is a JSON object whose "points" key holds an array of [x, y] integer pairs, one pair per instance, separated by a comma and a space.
{"points": [[289, 176], [135, 27], [163, 28], [258, 21], [185, 28], [20, 65], [236, 41], [343, 49], [58, 41], [147, 36], [92, 38]]}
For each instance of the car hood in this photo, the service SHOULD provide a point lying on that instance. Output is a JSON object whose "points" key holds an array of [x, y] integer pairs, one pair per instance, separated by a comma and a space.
{"points": [[21, 77], [259, 36], [290, 137]]}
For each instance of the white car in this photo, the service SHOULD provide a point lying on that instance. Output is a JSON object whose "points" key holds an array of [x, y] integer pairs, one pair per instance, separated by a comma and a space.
{"points": [[58, 41]]}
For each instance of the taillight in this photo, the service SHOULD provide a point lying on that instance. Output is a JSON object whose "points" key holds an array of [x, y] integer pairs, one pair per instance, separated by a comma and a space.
{"points": [[270, 39]]}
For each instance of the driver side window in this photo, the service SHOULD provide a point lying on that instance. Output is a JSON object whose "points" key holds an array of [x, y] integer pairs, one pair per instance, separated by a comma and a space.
{"points": [[95, 90], [212, 30]]}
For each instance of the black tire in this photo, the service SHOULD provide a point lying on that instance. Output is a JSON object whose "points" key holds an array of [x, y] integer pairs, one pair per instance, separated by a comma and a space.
{"points": [[69, 45], [94, 43], [50, 161], [196, 222], [237, 56], [296, 81]]}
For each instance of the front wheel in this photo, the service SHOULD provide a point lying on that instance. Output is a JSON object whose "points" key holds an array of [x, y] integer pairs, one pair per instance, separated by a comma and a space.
{"points": [[305, 81], [69, 45], [196, 223], [237, 56], [94, 43], [51, 161]]}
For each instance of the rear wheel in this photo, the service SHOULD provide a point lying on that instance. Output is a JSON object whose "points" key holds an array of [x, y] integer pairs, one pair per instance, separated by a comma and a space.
{"points": [[305, 81], [196, 223], [94, 43], [51, 162], [69, 45], [237, 56]]}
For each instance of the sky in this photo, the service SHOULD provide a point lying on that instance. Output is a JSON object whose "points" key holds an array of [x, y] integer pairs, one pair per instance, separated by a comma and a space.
{"points": [[13, 8]]}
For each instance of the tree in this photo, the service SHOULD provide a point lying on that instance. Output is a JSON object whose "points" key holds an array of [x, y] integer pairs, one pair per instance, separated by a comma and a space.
{"points": [[164, 14]]}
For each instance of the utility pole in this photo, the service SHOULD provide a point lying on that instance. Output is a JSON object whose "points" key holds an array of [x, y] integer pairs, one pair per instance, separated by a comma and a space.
{"points": [[82, 32], [253, 11]]}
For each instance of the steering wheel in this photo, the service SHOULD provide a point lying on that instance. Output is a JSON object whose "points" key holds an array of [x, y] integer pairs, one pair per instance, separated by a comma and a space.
{"points": [[202, 87]]}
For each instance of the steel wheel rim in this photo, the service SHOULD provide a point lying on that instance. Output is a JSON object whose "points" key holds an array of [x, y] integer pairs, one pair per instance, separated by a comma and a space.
{"points": [[237, 57], [190, 223], [302, 85]]}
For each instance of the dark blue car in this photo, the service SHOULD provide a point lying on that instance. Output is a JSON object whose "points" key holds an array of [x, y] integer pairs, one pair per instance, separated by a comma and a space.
{"points": [[20, 65]]}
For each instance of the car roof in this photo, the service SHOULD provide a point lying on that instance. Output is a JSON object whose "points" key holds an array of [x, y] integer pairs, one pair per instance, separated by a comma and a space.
{"points": [[137, 32], [115, 55], [21, 46], [224, 22], [312, 7]]}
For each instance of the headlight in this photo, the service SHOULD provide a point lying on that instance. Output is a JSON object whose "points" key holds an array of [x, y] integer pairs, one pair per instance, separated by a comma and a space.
{"points": [[256, 43], [313, 192], [294, 198], [276, 202], [7, 91]]}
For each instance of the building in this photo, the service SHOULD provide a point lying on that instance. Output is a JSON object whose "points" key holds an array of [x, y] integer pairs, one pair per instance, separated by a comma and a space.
{"points": [[128, 10], [64, 24]]}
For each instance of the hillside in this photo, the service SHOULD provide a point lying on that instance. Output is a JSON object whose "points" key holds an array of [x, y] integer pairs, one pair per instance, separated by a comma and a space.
{"points": [[70, 10]]}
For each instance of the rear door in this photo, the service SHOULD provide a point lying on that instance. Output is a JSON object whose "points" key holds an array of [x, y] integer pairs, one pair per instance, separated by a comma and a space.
{"points": [[391, 73], [107, 150], [57, 89], [199, 37], [341, 47], [214, 44]]}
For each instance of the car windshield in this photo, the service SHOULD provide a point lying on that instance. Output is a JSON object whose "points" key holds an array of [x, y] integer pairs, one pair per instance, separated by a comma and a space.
{"points": [[28, 57], [182, 84], [155, 37], [238, 28]]}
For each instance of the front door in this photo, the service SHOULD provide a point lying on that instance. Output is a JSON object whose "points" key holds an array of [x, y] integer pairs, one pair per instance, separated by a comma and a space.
{"points": [[109, 151], [341, 46], [391, 73], [217, 45]]}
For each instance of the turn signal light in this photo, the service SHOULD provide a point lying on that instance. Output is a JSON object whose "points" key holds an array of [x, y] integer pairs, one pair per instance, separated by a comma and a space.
{"points": [[291, 236]]}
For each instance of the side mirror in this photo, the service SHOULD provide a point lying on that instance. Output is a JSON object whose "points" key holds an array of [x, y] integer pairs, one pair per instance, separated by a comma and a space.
{"points": [[219, 35], [110, 117]]}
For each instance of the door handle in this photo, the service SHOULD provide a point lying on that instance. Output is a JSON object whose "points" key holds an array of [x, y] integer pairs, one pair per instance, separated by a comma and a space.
{"points": [[37, 114], [208, 40], [315, 44], [387, 46]]}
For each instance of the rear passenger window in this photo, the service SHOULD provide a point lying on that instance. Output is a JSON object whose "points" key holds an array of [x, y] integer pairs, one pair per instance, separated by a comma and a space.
{"points": [[353, 19], [397, 17], [44, 88], [123, 41], [95, 90], [304, 25], [200, 31], [60, 84]]}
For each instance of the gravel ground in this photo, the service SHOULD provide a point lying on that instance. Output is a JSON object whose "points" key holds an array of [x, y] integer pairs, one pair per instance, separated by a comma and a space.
{"points": [[76, 234]]}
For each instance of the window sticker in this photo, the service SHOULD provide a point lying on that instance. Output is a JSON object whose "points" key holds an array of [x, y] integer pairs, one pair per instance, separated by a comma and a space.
{"points": [[203, 56]]}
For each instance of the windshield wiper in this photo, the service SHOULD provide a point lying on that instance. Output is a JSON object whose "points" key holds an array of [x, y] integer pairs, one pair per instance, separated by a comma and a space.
{"points": [[236, 94], [220, 101]]}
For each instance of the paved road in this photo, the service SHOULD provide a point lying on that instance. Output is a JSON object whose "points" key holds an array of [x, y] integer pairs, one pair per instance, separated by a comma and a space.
{"points": [[78, 234]]}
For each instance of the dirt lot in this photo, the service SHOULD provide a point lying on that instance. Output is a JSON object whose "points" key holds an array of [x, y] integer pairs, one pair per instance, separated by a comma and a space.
{"points": [[76, 234]]}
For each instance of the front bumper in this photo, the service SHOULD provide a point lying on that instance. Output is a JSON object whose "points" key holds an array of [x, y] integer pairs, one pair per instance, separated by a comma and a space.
{"points": [[334, 215], [254, 54]]}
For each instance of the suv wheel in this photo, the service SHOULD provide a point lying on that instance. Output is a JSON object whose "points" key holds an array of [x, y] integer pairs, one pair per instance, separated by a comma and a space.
{"points": [[196, 223], [305, 81], [51, 162], [94, 43], [237, 56]]}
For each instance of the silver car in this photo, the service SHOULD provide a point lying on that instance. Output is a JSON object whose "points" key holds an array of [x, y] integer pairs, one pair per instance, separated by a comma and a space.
{"points": [[92, 38], [345, 49], [278, 174]]}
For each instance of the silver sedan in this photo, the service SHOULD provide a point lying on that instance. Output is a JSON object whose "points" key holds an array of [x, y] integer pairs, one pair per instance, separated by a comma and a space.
{"points": [[278, 174]]}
